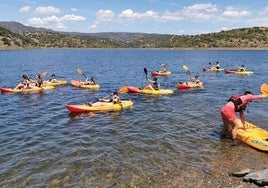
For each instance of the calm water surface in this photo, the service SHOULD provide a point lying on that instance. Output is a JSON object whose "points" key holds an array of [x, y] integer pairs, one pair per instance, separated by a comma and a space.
{"points": [[42, 144]]}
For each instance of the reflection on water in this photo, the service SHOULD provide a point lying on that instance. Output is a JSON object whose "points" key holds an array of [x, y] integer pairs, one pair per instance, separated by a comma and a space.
{"points": [[42, 144]]}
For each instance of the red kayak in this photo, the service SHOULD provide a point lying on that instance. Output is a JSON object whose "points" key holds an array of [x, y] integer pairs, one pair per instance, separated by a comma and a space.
{"points": [[190, 85], [161, 73]]}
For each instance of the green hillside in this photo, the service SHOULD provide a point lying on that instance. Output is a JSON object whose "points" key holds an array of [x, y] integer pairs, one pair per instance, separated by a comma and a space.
{"points": [[14, 35]]}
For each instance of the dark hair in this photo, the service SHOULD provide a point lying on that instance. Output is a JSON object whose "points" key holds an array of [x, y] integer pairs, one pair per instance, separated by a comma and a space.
{"points": [[248, 92], [115, 93]]}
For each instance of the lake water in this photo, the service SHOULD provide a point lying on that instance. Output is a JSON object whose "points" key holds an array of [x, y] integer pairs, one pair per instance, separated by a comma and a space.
{"points": [[42, 144]]}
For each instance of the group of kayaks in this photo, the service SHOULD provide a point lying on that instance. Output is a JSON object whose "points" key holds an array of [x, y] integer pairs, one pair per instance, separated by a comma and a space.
{"points": [[227, 71], [47, 85], [253, 136]]}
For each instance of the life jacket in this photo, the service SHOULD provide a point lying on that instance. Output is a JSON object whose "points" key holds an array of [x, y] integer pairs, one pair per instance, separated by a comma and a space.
{"points": [[238, 103], [155, 85]]}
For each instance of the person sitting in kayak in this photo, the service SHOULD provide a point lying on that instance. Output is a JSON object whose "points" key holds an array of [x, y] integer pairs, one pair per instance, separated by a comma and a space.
{"points": [[25, 83], [164, 68], [53, 78], [115, 100], [242, 68], [153, 84], [90, 81], [217, 66], [195, 79], [38, 82], [236, 104]]}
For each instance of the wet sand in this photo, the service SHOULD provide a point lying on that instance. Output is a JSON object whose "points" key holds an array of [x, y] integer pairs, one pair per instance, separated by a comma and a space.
{"points": [[218, 173]]}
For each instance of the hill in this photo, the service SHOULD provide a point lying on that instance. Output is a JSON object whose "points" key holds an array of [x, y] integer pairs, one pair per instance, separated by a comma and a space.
{"points": [[14, 35]]}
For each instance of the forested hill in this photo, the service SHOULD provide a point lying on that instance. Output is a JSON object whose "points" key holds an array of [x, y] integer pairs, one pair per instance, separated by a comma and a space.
{"points": [[14, 35]]}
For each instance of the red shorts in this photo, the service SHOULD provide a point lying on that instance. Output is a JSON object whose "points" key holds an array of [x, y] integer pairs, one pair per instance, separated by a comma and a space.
{"points": [[228, 113]]}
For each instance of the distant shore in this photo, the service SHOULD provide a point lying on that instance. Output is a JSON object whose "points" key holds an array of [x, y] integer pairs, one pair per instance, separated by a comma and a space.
{"points": [[8, 49]]}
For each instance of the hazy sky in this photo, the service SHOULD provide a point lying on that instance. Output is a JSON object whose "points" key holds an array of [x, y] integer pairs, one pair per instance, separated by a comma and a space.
{"points": [[145, 16]]}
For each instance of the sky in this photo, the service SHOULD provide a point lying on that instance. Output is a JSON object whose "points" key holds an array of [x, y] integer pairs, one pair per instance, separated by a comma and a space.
{"points": [[179, 17]]}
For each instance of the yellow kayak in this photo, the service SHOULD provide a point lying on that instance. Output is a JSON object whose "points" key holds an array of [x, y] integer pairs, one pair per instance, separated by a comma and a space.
{"points": [[100, 106], [254, 136], [26, 90], [78, 83], [48, 87], [150, 91], [161, 73], [55, 83], [227, 71]]}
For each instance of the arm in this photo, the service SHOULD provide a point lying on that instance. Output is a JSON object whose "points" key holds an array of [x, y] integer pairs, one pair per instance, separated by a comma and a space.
{"points": [[249, 98], [242, 117], [151, 81]]}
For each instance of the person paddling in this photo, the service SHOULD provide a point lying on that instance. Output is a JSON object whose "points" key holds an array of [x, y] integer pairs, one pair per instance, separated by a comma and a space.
{"points": [[25, 83], [153, 84], [242, 68], [39, 81], [217, 66], [90, 81], [53, 78], [164, 68], [115, 99], [195, 79]]}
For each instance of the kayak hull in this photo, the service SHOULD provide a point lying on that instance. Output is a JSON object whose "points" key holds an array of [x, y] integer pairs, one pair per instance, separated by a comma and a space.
{"points": [[55, 83], [190, 85], [254, 136], [161, 73], [228, 71], [13, 90], [48, 87], [100, 107], [80, 84], [132, 89]]}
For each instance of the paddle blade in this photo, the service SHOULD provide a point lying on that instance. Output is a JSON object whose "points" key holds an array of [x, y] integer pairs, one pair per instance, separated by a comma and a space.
{"points": [[79, 71], [145, 71], [185, 67], [44, 73], [264, 89], [123, 90]]}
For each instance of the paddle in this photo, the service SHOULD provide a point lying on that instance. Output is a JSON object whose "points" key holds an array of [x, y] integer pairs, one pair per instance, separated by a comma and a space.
{"points": [[264, 89], [186, 69], [44, 73], [123, 89], [145, 71], [81, 72]]}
